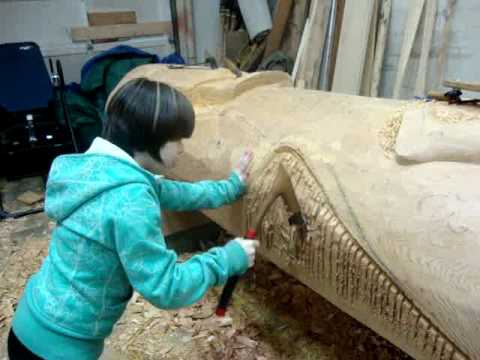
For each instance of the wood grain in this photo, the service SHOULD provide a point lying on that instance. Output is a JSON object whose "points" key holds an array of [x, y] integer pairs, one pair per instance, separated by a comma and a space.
{"points": [[336, 40], [352, 48], [301, 51], [282, 13], [312, 59], [383, 28], [462, 85], [186, 31], [442, 52], [411, 29], [371, 50], [85, 33], [111, 18], [428, 29]]}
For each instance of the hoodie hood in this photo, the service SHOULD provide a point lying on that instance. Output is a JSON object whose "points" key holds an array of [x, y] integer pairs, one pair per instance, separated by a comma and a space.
{"points": [[76, 179]]}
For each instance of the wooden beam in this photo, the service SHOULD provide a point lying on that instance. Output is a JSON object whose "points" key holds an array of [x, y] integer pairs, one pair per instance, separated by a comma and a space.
{"points": [[428, 29], [442, 52], [294, 29], [111, 18], [301, 51], [282, 13], [186, 32], [121, 31], [383, 28], [336, 40], [411, 29], [371, 50], [190, 32], [462, 85], [309, 71], [352, 48]]}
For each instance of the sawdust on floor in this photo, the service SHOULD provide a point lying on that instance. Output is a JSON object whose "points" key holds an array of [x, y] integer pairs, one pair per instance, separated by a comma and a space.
{"points": [[273, 316]]}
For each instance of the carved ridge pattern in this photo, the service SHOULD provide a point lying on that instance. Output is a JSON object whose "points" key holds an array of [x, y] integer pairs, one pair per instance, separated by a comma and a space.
{"points": [[332, 255]]}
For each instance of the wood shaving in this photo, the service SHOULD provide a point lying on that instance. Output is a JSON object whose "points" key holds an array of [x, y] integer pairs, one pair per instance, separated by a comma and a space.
{"points": [[454, 114], [388, 134], [273, 316]]}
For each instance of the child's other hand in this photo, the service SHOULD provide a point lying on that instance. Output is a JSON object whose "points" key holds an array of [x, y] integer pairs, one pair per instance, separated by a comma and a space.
{"points": [[250, 248], [242, 166]]}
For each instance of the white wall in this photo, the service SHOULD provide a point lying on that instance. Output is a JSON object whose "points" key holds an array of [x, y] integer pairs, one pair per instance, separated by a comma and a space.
{"points": [[48, 23], [463, 53]]}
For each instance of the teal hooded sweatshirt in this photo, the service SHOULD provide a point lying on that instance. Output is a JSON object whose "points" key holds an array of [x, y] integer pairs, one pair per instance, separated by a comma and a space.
{"points": [[108, 242]]}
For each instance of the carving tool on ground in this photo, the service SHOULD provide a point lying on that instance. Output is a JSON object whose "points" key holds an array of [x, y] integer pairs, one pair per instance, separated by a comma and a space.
{"points": [[282, 187]]}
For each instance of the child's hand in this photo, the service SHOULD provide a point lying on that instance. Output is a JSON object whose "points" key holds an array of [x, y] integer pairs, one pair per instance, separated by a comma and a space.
{"points": [[250, 248], [242, 166]]}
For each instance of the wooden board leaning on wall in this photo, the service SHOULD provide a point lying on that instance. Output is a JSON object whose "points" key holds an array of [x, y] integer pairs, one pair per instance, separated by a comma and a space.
{"points": [[86, 33]]}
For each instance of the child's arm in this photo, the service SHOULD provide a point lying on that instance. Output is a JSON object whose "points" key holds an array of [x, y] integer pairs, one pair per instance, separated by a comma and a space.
{"points": [[184, 196], [152, 269]]}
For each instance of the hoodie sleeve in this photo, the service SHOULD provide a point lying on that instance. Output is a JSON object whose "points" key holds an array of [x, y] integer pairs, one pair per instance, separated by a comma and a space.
{"points": [[152, 269], [184, 196]]}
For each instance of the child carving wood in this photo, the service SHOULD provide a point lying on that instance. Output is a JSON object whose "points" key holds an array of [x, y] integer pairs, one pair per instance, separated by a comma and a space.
{"points": [[108, 241]]}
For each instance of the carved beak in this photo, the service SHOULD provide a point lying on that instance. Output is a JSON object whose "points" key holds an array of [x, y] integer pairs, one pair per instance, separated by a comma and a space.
{"points": [[282, 187]]}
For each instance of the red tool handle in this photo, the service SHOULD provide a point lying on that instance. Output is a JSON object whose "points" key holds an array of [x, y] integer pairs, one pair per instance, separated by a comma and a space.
{"points": [[231, 283], [251, 234]]}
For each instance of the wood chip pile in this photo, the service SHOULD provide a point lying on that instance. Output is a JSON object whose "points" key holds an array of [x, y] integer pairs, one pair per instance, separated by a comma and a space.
{"points": [[273, 317]]}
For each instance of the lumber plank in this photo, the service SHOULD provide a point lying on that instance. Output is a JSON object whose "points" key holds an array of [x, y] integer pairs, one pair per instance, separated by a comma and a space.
{"points": [[411, 29], [310, 70], [371, 49], [442, 52], [282, 13], [99, 18], [352, 48], [190, 31], [186, 32], [85, 33], [383, 28], [301, 50], [429, 28], [462, 85], [294, 29], [336, 40]]}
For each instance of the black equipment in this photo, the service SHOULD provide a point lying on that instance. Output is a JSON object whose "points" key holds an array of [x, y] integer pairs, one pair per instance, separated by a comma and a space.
{"points": [[34, 123]]}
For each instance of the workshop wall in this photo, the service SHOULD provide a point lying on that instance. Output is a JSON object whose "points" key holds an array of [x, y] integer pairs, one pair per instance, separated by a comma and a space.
{"points": [[463, 51], [48, 23]]}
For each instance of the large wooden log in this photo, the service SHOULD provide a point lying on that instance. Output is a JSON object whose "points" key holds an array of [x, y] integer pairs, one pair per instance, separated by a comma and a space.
{"points": [[392, 240]]}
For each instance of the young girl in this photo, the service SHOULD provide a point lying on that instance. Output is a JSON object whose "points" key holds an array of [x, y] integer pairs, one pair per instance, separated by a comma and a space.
{"points": [[108, 239]]}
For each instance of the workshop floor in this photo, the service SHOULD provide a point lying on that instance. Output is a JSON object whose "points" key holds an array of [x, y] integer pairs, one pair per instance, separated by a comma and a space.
{"points": [[273, 316]]}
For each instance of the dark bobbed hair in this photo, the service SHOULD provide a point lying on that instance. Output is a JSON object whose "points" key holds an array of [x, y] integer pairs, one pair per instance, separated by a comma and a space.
{"points": [[143, 115]]}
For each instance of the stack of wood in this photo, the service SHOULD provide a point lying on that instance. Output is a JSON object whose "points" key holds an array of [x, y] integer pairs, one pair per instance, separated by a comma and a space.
{"points": [[111, 26], [342, 46], [361, 47], [186, 33], [331, 45], [344, 41]]}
